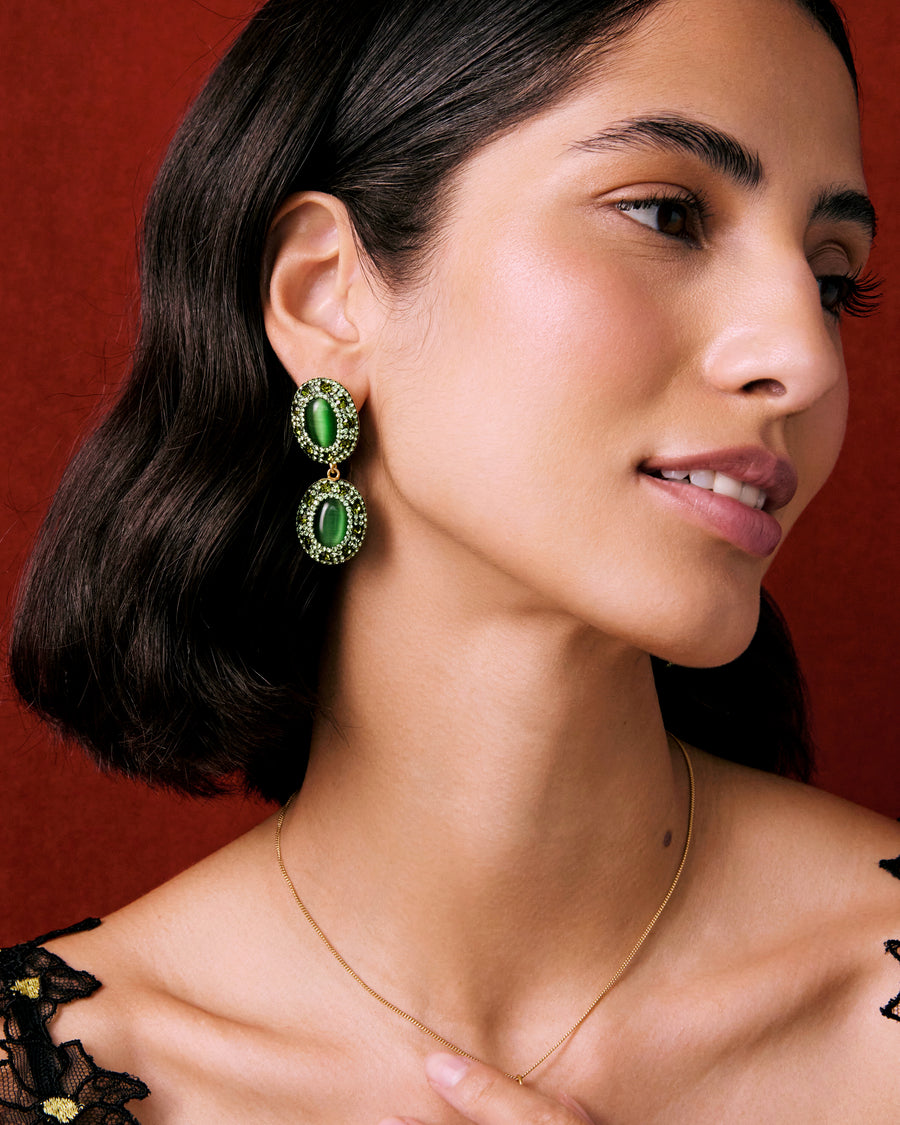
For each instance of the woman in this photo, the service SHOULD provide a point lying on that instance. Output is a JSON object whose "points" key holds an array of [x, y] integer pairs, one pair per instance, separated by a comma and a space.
{"points": [[583, 284]]}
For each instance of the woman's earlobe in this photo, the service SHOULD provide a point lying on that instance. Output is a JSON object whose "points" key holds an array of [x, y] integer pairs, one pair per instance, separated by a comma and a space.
{"points": [[310, 269]]}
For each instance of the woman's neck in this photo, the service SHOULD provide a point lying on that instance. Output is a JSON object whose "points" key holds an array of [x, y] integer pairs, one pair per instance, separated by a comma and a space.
{"points": [[495, 810]]}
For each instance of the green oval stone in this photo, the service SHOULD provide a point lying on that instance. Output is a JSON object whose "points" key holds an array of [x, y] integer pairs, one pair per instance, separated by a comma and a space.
{"points": [[331, 522], [320, 422]]}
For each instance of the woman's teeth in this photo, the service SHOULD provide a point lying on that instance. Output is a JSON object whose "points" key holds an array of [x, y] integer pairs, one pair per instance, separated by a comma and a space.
{"points": [[718, 482]]}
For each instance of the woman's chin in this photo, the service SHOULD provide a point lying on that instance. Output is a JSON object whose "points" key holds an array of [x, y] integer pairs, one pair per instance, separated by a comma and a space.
{"points": [[719, 642]]}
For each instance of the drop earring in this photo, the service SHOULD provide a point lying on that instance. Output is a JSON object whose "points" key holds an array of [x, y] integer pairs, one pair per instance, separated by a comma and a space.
{"points": [[331, 519]]}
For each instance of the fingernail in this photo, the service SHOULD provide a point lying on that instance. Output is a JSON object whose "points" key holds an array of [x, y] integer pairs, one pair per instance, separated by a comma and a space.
{"points": [[446, 1070], [577, 1107]]}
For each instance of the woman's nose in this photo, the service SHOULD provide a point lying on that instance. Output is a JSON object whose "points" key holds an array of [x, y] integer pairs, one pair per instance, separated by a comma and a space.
{"points": [[775, 341]]}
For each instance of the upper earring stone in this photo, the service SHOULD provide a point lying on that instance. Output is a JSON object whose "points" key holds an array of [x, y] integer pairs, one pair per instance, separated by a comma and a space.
{"points": [[324, 418]]}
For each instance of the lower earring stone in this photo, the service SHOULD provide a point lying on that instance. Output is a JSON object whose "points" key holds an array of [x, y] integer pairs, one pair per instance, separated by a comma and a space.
{"points": [[331, 521]]}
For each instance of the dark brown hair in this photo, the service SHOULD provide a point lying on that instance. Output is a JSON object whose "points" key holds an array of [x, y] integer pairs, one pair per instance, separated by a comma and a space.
{"points": [[168, 620]]}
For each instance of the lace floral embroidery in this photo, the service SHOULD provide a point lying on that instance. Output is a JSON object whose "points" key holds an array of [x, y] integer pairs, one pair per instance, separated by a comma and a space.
{"points": [[892, 946], [40, 1082]]}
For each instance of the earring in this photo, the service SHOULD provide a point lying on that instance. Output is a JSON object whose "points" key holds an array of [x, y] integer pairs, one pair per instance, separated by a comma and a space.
{"points": [[331, 519]]}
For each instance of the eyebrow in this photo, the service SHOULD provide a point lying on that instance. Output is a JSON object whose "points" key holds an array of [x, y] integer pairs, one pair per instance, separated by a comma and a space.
{"points": [[725, 154], [845, 206], [683, 135]]}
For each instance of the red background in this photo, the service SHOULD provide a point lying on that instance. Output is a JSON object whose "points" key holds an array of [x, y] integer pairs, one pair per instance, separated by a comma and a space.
{"points": [[93, 89]]}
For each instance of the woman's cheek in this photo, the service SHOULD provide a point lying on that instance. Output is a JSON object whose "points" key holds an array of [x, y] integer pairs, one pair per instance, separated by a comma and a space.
{"points": [[581, 317]]}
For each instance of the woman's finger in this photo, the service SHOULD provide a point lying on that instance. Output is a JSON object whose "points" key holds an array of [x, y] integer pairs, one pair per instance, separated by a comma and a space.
{"points": [[487, 1097]]}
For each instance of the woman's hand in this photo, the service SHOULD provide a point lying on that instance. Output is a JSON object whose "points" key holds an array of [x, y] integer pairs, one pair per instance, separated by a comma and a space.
{"points": [[487, 1097]]}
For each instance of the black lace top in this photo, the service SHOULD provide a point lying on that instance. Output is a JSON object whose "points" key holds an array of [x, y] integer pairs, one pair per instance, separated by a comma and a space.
{"points": [[40, 1082]]}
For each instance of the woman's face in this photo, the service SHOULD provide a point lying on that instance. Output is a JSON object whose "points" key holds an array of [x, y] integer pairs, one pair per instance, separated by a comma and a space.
{"points": [[627, 284]]}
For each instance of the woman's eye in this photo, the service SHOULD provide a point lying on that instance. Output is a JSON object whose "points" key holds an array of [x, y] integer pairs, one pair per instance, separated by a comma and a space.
{"points": [[853, 295], [672, 217]]}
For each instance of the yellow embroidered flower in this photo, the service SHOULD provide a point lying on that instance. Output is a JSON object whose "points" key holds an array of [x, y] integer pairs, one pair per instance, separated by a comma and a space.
{"points": [[28, 986], [63, 1109]]}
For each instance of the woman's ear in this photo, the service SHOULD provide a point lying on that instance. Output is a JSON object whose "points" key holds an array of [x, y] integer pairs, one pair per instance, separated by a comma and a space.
{"points": [[315, 292]]}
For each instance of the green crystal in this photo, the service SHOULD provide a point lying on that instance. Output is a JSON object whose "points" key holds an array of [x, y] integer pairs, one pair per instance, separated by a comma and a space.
{"points": [[321, 422], [331, 522]]}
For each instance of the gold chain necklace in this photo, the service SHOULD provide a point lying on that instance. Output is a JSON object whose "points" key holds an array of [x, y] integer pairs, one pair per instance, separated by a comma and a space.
{"points": [[610, 984]]}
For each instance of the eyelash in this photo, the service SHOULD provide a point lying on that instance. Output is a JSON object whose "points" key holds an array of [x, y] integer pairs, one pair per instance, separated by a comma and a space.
{"points": [[860, 294]]}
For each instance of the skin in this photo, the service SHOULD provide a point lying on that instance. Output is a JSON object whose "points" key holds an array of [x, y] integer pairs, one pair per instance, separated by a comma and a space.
{"points": [[483, 834]]}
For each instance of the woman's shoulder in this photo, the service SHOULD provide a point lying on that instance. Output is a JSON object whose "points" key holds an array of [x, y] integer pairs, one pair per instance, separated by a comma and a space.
{"points": [[805, 857], [193, 980], [803, 892], [824, 842]]}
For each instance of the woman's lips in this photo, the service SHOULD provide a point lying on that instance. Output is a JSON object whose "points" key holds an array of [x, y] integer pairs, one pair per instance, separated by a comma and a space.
{"points": [[776, 476], [754, 531], [738, 521]]}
